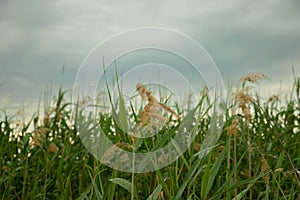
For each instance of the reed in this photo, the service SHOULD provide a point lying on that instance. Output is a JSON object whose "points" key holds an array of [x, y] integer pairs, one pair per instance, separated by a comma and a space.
{"points": [[256, 156]]}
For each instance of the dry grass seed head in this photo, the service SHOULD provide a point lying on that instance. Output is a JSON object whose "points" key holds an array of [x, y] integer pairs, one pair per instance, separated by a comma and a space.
{"points": [[116, 152], [39, 135], [168, 109], [161, 159], [5, 168], [243, 99], [134, 137], [264, 165], [151, 114], [247, 114], [253, 77], [273, 98], [151, 99], [232, 128], [47, 121], [279, 169], [264, 169], [141, 90], [145, 115], [197, 147], [243, 96], [204, 91], [52, 148], [124, 145]]}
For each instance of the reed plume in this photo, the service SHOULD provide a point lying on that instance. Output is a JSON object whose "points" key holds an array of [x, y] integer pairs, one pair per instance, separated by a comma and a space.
{"points": [[151, 113], [252, 77]]}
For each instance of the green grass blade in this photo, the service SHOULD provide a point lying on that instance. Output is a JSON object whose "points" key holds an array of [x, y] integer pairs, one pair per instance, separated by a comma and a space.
{"points": [[155, 193], [95, 186], [122, 182], [211, 174]]}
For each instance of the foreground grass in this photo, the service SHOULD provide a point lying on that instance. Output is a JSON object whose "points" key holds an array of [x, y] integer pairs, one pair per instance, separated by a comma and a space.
{"points": [[256, 157]]}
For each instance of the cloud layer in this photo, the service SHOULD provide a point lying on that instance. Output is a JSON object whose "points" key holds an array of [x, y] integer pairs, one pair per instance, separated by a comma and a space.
{"points": [[39, 37]]}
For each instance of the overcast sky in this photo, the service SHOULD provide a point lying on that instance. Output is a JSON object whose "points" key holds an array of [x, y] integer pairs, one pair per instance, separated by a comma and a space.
{"points": [[38, 38]]}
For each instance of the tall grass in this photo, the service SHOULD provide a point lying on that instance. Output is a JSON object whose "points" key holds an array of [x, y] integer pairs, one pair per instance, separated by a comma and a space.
{"points": [[256, 157]]}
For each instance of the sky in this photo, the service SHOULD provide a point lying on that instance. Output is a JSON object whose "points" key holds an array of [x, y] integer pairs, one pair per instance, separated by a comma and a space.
{"points": [[38, 38]]}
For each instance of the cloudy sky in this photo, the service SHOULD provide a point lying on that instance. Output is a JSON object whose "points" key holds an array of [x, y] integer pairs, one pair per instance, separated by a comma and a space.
{"points": [[38, 37]]}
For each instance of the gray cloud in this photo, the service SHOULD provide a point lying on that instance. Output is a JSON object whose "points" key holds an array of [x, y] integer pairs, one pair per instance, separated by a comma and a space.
{"points": [[39, 37]]}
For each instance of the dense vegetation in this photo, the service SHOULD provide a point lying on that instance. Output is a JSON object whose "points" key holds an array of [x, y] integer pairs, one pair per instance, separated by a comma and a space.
{"points": [[256, 157]]}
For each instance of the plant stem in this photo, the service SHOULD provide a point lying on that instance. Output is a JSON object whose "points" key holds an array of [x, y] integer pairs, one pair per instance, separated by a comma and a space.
{"points": [[249, 162], [132, 174], [25, 177], [234, 164]]}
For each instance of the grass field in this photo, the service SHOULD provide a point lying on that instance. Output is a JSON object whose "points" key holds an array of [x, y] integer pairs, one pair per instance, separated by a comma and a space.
{"points": [[257, 155]]}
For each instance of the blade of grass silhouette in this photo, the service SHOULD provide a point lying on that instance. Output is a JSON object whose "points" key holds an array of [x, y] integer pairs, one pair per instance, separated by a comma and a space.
{"points": [[122, 109], [119, 118]]}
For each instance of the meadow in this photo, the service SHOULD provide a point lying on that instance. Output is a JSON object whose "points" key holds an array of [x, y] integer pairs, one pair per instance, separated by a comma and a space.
{"points": [[256, 155]]}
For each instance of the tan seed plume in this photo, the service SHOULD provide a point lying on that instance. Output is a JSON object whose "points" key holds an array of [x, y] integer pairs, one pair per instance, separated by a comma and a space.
{"points": [[151, 110], [53, 148], [243, 99], [39, 135], [273, 98], [253, 77]]}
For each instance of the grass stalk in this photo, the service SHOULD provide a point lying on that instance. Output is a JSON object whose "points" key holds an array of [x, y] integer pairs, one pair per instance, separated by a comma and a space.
{"points": [[234, 169], [132, 173]]}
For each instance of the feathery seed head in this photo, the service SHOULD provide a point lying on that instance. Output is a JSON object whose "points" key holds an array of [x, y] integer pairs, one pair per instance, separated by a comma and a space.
{"points": [[253, 77], [232, 128], [273, 98], [264, 169], [152, 112], [39, 135], [52, 148], [141, 90]]}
